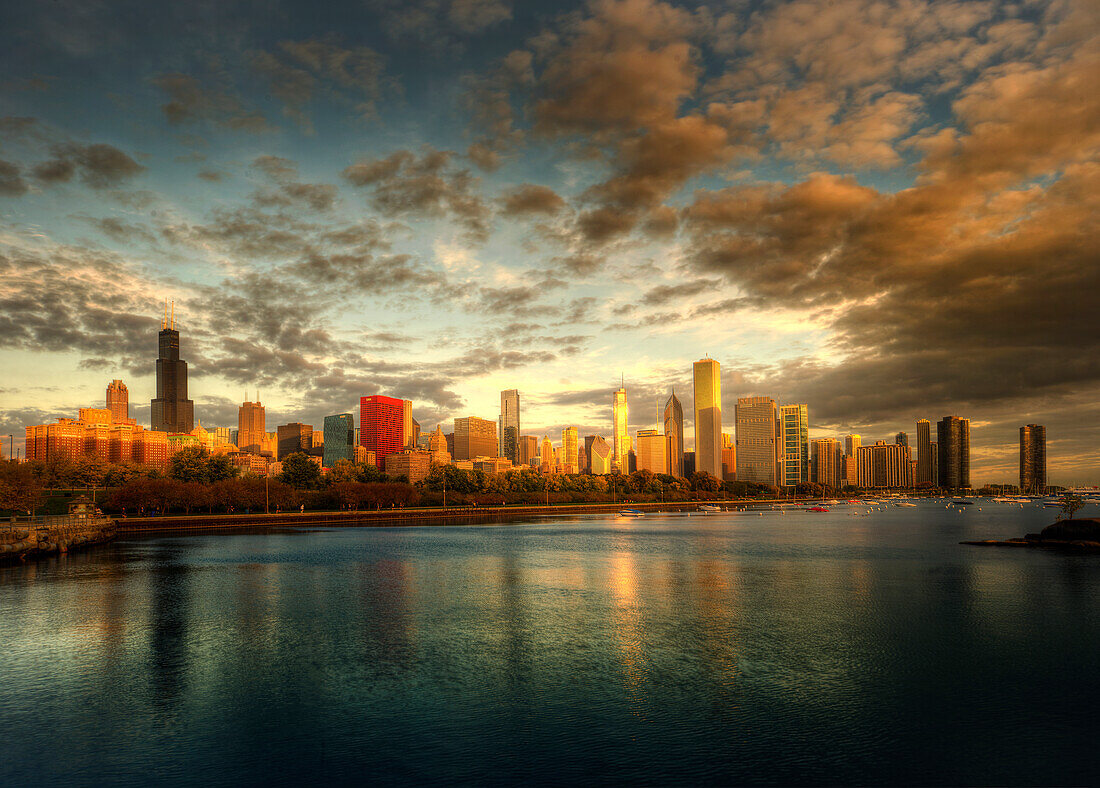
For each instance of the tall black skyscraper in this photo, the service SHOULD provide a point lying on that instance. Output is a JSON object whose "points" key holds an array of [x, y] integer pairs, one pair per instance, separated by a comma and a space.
{"points": [[1033, 459], [171, 410], [954, 448]]}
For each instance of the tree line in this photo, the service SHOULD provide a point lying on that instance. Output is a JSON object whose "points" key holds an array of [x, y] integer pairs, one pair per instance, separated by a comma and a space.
{"points": [[197, 481]]}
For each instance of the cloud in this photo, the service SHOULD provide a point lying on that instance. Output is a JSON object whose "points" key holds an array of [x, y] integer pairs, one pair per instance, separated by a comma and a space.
{"points": [[99, 165], [440, 25], [530, 198], [287, 191], [624, 67], [428, 185], [190, 101], [11, 181], [297, 71], [664, 294]]}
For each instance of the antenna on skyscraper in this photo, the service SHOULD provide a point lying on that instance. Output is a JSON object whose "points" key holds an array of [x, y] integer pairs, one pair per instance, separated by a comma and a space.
{"points": [[173, 315], [164, 320]]}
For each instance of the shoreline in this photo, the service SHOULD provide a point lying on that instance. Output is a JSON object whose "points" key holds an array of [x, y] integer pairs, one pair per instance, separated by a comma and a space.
{"points": [[410, 516]]}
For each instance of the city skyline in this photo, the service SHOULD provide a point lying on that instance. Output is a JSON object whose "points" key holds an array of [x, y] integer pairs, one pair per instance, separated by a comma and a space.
{"points": [[775, 440], [442, 202]]}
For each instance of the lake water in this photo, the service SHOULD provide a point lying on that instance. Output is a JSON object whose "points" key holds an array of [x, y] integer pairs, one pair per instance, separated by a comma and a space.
{"points": [[776, 648]]}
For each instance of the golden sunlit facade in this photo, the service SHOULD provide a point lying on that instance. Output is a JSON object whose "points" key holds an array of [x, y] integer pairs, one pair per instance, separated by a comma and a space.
{"points": [[620, 441], [707, 378], [569, 456]]}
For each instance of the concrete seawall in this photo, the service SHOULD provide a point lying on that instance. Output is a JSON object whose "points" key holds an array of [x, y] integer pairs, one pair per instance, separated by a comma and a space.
{"points": [[28, 539], [418, 516]]}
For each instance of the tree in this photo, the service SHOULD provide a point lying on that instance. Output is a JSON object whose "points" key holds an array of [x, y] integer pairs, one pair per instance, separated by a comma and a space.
{"points": [[342, 471], [221, 468], [370, 473], [300, 472], [1070, 504], [20, 488], [190, 464], [701, 481], [641, 481]]}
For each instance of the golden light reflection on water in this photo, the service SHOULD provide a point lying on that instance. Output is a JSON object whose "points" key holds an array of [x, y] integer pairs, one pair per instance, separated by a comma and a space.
{"points": [[718, 604], [628, 627]]}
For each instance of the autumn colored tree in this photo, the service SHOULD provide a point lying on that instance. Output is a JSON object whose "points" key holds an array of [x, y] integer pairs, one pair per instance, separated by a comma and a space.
{"points": [[20, 488]]}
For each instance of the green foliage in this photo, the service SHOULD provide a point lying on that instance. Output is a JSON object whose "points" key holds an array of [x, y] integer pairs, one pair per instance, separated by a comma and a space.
{"points": [[701, 481], [221, 468], [190, 464], [342, 471], [118, 475], [369, 473], [300, 472]]}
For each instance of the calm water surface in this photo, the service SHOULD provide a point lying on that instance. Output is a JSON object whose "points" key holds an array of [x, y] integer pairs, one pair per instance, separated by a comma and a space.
{"points": [[774, 648]]}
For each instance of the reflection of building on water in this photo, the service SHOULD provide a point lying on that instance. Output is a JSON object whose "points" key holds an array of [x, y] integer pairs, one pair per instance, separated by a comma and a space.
{"points": [[719, 611], [171, 603], [628, 625], [388, 596]]}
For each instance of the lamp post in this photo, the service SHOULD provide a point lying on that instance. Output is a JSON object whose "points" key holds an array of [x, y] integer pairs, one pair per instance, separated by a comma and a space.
{"points": [[11, 447], [267, 492]]}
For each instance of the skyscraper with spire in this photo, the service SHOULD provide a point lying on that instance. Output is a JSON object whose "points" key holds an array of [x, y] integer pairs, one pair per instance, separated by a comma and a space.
{"points": [[620, 440], [674, 432], [171, 411]]}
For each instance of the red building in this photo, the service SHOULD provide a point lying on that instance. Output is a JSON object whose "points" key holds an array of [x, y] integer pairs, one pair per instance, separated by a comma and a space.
{"points": [[381, 426]]}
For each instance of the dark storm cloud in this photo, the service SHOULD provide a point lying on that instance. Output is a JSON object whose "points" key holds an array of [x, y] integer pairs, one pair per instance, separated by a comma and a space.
{"points": [[428, 185]]}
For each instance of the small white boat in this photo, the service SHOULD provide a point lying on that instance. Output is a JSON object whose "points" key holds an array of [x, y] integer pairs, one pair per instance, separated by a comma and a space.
{"points": [[709, 508], [905, 503], [631, 513]]}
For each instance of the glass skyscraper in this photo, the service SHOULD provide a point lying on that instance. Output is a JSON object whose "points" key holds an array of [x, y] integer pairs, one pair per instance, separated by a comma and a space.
{"points": [[339, 439], [794, 420], [509, 425]]}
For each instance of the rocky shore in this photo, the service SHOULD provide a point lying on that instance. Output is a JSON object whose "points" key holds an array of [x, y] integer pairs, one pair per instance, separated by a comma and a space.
{"points": [[1078, 536], [21, 541]]}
